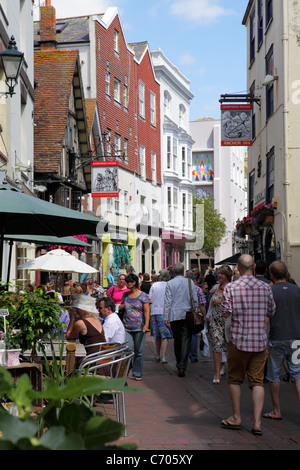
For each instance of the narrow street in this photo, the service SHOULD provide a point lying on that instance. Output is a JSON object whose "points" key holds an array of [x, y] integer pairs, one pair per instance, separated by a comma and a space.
{"points": [[172, 413]]}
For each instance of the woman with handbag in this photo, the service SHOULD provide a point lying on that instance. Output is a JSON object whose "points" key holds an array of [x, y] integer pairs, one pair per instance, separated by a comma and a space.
{"points": [[136, 321], [216, 334]]}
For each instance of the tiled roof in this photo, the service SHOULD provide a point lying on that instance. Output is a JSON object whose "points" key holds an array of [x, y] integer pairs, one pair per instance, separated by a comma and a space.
{"points": [[90, 105], [139, 48], [54, 72], [69, 30]]}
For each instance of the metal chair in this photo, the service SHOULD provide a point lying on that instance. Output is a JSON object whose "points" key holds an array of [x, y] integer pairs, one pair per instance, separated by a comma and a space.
{"points": [[119, 364], [103, 348]]}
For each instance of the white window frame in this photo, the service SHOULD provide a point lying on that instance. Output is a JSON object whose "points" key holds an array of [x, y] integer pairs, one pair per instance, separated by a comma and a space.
{"points": [[126, 149], [116, 41], [169, 152], [184, 209], [118, 148], [153, 168], [143, 161], [183, 162], [153, 109], [175, 203], [126, 202], [107, 82], [175, 153], [142, 99], [117, 90], [169, 205], [108, 142]]}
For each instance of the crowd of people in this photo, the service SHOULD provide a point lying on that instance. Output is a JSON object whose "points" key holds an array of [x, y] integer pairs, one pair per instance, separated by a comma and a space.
{"points": [[252, 323]]}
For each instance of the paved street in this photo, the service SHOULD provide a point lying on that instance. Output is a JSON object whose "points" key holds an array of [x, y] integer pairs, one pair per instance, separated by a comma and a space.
{"points": [[184, 413]]}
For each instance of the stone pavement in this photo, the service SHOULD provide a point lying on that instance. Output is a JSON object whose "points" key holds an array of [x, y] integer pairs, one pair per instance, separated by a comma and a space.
{"points": [[172, 413]]}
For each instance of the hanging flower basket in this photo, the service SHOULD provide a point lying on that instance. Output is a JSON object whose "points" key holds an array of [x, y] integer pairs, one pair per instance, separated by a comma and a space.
{"points": [[244, 226], [261, 212]]}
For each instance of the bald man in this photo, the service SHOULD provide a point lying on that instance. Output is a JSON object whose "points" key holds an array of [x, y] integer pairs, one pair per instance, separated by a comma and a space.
{"points": [[250, 304]]}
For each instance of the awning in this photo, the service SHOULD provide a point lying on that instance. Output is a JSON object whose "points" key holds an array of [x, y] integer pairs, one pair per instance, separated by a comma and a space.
{"points": [[46, 240], [231, 260]]}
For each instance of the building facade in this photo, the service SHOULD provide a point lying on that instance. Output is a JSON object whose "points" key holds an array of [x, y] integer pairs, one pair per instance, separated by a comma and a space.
{"points": [[176, 162], [273, 165], [218, 172], [16, 115]]}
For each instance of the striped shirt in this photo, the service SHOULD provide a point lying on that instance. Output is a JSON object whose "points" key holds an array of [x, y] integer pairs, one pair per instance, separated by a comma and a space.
{"points": [[248, 301]]}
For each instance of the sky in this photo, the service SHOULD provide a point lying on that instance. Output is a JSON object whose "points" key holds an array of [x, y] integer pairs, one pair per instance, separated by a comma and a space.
{"points": [[204, 39]]}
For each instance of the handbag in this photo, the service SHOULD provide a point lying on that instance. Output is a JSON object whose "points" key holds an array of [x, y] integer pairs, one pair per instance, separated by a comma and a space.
{"points": [[195, 319], [122, 311]]}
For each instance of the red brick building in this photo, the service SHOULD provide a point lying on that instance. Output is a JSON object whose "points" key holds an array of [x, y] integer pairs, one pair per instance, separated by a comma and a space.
{"points": [[120, 78]]}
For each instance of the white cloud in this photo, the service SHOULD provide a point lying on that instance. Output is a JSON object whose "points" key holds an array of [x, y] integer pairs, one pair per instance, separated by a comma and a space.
{"points": [[187, 59], [200, 11], [68, 8]]}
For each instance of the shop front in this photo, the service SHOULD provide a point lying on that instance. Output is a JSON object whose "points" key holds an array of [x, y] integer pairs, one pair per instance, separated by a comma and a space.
{"points": [[117, 252]]}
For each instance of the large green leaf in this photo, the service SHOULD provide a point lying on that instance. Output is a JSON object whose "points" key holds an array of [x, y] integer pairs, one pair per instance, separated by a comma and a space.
{"points": [[99, 430], [57, 439], [13, 429]]}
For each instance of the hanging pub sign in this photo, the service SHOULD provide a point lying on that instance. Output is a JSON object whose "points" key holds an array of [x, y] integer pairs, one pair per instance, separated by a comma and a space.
{"points": [[105, 179], [236, 124]]}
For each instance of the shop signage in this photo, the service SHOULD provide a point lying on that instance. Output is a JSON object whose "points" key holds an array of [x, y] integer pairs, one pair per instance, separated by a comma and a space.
{"points": [[105, 179], [236, 124]]}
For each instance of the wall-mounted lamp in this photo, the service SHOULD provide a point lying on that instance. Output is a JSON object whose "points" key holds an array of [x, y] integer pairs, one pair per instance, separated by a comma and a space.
{"points": [[269, 79], [11, 60]]}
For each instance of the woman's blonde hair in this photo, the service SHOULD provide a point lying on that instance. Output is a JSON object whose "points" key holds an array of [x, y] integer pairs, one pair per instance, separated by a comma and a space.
{"points": [[227, 271]]}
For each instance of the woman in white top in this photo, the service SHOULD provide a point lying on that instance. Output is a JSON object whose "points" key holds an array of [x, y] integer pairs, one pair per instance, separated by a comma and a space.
{"points": [[159, 330]]}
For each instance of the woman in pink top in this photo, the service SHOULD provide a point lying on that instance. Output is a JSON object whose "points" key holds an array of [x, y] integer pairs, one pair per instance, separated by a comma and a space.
{"points": [[116, 292]]}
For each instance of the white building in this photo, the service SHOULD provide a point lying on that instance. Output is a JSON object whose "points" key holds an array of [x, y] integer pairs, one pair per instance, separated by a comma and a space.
{"points": [[16, 112], [219, 172], [273, 71], [176, 152]]}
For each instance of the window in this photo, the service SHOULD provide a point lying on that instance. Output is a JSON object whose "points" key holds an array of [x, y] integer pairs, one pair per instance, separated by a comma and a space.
{"points": [[142, 100], [125, 96], [126, 149], [153, 167], [183, 210], [270, 176], [126, 202], [252, 36], [169, 202], [108, 142], [270, 87], [189, 163], [175, 204], [142, 161], [169, 152], [107, 82], [269, 12], [117, 88], [260, 23], [117, 203], [116, 41], [109, 204], [190, 211], [175, 153], [118, 149], [183, 167], [153, 109]]}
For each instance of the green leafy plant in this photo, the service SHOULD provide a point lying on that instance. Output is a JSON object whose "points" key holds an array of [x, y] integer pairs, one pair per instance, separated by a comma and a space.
{"points": [[34, 314], [72, 426], [12, 338]]}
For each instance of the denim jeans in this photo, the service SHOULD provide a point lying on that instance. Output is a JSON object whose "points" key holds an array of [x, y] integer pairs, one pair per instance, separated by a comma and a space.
{"points": [[138, 338], [182, 342]]}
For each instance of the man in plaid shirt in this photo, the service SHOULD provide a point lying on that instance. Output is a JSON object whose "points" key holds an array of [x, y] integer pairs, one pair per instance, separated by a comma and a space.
{"points": [[250, 304]]}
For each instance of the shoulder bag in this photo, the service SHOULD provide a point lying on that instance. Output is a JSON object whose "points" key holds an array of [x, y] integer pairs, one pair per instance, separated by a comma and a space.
{"points": [[195, 319]]}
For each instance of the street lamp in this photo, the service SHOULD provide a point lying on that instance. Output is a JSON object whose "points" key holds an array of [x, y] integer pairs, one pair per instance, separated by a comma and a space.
{"points": [[11, 60]]}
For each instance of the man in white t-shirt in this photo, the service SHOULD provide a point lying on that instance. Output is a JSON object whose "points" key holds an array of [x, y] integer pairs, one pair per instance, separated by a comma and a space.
{"points": [[114, 330]]}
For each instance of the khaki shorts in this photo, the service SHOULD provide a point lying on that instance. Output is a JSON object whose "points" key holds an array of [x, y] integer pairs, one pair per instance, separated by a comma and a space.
{"points": [[241, 363]]}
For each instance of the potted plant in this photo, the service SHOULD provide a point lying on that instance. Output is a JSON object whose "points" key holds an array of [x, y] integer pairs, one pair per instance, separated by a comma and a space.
{"points": [[35, 314], [12, 340], [263, 214]]}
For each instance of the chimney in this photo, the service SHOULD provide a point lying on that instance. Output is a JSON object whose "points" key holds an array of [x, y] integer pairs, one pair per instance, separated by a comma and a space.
{"points": [[48, 26]]}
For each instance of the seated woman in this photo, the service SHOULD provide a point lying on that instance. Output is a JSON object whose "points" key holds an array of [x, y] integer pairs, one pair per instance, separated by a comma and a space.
{"points": [[87, 328]]}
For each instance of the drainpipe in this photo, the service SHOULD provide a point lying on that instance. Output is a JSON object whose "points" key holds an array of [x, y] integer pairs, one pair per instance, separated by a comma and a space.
{"points": [[286, 182]]}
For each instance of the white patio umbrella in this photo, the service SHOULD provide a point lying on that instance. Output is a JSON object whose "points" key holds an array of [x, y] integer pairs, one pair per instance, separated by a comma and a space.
{"points": [[58, 261]]}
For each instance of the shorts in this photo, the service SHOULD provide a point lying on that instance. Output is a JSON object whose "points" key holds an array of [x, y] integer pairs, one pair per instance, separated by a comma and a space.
{"points": [[159, 328], [279, 351], [242, 363]]}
